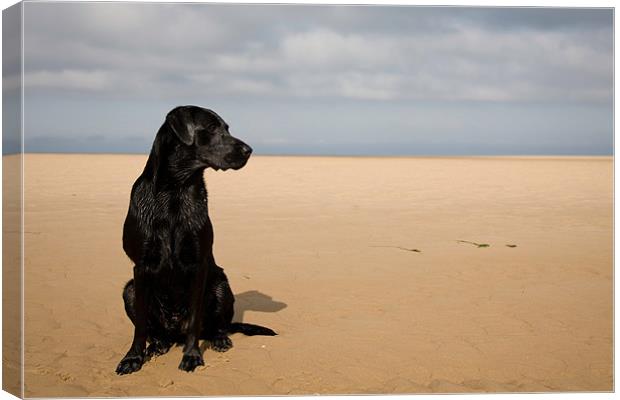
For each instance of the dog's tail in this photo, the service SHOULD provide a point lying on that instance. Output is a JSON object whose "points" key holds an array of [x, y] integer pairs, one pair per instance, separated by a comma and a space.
{"points": [[250, 329]]}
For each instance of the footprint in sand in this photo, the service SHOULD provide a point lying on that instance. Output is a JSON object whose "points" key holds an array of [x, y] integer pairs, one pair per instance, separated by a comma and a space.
{"points": [[479, 245], [166, 383], [65, 376], [401, 248]]}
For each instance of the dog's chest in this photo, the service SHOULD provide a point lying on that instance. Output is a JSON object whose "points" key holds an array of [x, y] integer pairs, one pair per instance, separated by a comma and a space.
{"points": [[171, 230], [183, 235], [189, 211]]}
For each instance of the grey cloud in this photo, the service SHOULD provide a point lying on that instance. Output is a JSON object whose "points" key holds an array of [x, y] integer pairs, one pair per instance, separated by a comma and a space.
{"points": [[155, 49], [97, 61], [539, 18]]}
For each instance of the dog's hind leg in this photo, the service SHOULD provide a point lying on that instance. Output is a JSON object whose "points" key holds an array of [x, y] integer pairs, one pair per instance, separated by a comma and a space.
{"points": [[129, 298], [134, 358], [219, 316], [158, 344]]}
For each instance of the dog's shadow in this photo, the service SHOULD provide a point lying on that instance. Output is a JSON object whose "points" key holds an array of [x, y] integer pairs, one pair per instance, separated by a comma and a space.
{"points": [[253, 300]]}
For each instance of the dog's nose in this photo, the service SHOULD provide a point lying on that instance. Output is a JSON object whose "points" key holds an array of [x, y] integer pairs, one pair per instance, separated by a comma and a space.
{"points": [[246, 150]]}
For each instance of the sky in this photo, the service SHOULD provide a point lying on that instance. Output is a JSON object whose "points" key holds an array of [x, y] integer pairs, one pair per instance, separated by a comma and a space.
{"points": [[326, 80]]}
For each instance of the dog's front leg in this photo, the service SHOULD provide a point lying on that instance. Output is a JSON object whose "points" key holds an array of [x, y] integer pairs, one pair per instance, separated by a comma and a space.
{"points": [[134, 358], [192, 357]]}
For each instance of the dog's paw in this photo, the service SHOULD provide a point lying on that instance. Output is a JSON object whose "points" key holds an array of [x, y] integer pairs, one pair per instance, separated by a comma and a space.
{"points": [[157, 348], [190, 361], [130, 363], [221, 344]]}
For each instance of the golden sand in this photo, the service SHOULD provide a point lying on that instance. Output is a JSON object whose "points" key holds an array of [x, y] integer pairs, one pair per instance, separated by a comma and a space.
{"points": [[318, 249]]}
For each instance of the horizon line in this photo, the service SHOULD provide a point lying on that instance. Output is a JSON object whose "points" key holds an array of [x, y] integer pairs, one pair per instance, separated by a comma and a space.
{"points": [[585, 155]]}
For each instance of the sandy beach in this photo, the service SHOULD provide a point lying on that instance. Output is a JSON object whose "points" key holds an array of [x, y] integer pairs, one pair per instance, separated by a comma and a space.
{"points": [[321, 249]]}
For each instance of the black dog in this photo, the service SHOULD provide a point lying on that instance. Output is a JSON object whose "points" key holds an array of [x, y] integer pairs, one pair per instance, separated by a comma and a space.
{"points": [[178, 293]]}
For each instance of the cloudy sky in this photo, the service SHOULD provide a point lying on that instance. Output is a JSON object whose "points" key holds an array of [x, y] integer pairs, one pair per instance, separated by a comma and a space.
{"points": [[351, 80]]}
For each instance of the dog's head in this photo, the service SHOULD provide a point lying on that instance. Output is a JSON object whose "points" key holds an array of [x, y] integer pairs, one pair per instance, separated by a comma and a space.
{"points": [[207, 134]]}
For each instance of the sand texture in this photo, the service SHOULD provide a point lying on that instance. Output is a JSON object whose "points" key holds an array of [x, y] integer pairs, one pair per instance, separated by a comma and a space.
{"points": [[321, 250], [11, 274]]}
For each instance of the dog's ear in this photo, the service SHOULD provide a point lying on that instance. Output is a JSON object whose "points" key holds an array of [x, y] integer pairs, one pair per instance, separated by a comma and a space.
{"points": [[181, 123]]}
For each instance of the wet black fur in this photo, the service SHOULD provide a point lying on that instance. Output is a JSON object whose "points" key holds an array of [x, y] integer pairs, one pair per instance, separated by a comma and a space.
{"points": [[179, 294]]}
